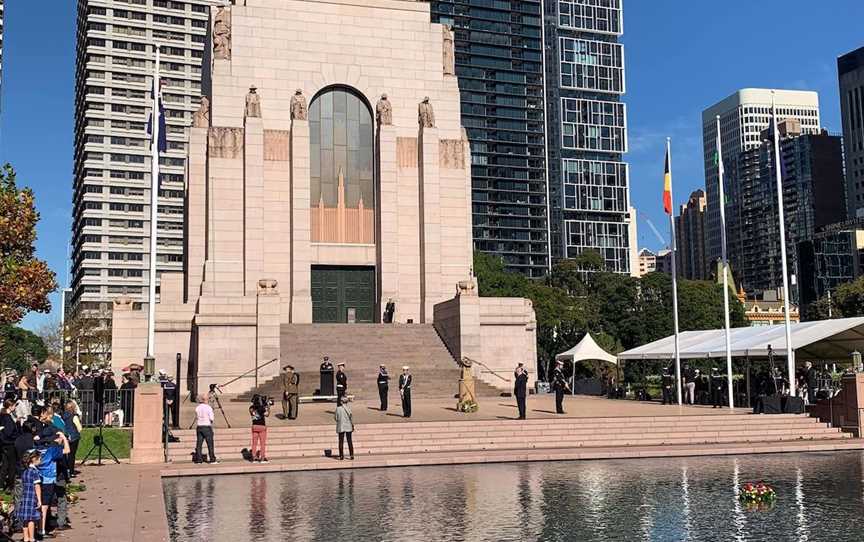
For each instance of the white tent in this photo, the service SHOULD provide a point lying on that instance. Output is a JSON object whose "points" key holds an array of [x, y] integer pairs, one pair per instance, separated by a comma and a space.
{"points": [[815, 341], [587, 350]]}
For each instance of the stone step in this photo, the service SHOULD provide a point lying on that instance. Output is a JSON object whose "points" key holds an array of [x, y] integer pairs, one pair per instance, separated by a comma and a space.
{"points": [[526, 441]]}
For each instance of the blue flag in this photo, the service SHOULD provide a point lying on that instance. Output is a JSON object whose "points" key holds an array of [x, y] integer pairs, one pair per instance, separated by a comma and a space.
{"points": [[163, 132]]}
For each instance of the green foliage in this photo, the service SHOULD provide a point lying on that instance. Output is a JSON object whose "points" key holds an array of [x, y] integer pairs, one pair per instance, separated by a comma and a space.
{"points": [[847, 301], [19, 348], [119, 440], [620, 311]]}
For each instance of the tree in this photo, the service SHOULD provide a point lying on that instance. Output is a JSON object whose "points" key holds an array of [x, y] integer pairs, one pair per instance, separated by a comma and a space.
{"points": [[847, 301], [51, 334], [19, 348], [88, 335], [25, 281]]}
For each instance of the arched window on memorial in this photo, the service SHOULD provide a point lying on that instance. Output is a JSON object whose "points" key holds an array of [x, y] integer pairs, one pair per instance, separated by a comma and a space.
{"points": [[341, 161]]}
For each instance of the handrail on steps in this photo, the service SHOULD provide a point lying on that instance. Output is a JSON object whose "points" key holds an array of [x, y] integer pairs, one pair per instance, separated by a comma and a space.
{"points": [[254, 369], [490, 371]]}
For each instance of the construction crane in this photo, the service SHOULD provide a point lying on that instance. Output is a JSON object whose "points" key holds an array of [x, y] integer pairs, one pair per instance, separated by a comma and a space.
{"points": [[653, 228]]}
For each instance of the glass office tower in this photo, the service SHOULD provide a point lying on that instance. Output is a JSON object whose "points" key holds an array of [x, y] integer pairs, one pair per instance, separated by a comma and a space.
{"points": [[500, 68]]}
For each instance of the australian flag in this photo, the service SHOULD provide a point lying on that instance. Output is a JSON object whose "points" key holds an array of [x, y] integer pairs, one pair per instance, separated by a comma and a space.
{"points": [[163, 133]]}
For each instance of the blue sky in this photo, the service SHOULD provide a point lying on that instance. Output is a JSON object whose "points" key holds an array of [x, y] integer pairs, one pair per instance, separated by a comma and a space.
{"points": [[681, 56]]}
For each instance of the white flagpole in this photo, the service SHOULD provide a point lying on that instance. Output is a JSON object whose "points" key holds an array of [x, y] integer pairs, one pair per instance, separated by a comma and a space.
{"points": [[154, 208], [725, 266], [674, 273], [790, 352]]}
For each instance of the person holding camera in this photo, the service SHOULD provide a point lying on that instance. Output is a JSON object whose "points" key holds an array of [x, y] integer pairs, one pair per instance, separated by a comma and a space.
{"points": [[259, 410], [344, 428]]}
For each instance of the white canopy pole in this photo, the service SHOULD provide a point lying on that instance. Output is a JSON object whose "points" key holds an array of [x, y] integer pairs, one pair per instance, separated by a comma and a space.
{"points": [[790, 352], [725, 266]]}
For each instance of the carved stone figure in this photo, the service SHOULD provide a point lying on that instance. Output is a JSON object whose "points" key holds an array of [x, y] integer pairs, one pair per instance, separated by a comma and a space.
{"points": [[449, 52], [299, 110], [268, 287], [466, 287], [201, 118], [426, 116], [222, 34], [384, 111], [253, 103]]}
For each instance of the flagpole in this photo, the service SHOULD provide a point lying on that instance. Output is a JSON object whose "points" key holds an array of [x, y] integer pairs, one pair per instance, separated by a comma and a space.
{"points": [[725, 267], [154, 208], [674, 272], [790, 352]]}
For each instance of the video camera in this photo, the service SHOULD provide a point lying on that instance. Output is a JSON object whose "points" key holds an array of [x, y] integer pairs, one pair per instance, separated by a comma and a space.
{"points": [[262, 401]]}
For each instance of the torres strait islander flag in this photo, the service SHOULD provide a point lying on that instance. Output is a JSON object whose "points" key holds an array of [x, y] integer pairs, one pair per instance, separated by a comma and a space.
{"points": [[667, 186]]}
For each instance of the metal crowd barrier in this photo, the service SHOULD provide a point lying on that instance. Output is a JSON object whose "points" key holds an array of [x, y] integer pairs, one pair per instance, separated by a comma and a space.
{"points": [[116, 408]]}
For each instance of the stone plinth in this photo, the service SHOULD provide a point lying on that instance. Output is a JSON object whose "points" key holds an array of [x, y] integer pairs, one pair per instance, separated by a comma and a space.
{"points": [[147, 436]]}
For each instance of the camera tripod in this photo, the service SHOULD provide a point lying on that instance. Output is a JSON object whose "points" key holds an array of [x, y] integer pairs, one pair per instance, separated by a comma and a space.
{"points": [[98, 445]]}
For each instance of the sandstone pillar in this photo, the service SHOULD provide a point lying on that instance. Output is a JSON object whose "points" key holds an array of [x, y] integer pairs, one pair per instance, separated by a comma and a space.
{"points": [[147, 433], [301, 227]]}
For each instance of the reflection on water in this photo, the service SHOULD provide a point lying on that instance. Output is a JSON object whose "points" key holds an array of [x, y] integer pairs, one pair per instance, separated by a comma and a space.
{"points": [[821, 497]]}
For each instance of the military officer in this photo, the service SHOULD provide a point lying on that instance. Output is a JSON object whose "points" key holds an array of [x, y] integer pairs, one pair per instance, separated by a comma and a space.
{"points": [[383, 386], [341, 381], [559, 386], [405, 381], [520, 389]]}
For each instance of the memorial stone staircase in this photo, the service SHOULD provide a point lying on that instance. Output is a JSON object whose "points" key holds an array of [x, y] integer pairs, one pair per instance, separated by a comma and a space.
{"points": [[719, 430], [363, 347]]}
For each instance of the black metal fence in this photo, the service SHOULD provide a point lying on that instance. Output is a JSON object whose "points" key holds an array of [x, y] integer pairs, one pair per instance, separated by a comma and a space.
{"points": [[115, 408]]}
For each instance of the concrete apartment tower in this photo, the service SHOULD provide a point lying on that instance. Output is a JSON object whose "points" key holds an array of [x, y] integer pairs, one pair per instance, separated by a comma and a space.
{"points": [[111, 177], [743, 117], [690, 238], [850, 69]]}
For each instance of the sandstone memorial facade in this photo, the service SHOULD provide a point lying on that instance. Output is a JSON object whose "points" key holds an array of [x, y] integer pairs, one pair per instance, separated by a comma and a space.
{"points": [[328, 173]]}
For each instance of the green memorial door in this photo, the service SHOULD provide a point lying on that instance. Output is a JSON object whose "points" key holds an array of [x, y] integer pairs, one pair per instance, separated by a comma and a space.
{"points": [[343, 294]]}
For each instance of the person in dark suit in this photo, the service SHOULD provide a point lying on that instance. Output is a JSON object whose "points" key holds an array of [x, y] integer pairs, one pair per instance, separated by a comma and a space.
{"points": [[341, 381], [326, 387], [667, 383], [405, 381], [383, 386], [520, 389], [559, 386]]}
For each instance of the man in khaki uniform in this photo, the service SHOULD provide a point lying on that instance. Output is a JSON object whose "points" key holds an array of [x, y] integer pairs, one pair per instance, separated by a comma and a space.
{"points": [[290, 392]]}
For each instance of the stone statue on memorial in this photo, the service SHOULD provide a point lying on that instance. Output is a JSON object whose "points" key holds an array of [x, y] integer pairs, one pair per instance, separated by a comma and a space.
{"points": [[384, 111], [426, 116], [253, 104], [449, 52], [201, 118], [299, 110], [222, 34]]}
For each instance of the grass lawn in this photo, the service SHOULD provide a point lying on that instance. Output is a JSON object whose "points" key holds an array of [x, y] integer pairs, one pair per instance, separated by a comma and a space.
{"points": [[119, 440]]}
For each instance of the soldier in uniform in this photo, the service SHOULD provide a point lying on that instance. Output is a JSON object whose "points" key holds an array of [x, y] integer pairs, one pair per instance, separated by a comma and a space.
{"points": [[559, 385], [668, 383], [405, 381], [383, 386], [341, 381], [520, 390], [716, 388], [290, 393]]}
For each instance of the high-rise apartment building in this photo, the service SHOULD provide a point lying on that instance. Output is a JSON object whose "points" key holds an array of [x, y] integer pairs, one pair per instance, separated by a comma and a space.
{"points": [[587, 131], [690, 238], [850, 69], [813, 198], [116, 42], [743, 117], [500, 68]]}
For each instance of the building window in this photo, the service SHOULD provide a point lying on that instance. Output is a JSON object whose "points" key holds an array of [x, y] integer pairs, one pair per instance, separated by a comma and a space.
{"points": [[591, 185], [593, 125], [340, 133], [609, 239], [602, 16], [592, 65]]}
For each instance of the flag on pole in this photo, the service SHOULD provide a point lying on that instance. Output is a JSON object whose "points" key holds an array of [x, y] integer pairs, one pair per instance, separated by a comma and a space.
{"points": [[162, 133], [667, 186]]}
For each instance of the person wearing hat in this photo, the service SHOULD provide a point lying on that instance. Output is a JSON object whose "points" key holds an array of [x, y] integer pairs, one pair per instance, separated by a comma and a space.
{"points": [[717, 382], [559, 386], [667, 383], [341, 381], [290, 392], [405, 381], [520, 389], [326, 387], [383, 386]]}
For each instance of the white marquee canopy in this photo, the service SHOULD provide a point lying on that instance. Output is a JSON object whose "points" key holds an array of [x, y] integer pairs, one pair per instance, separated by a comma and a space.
{"points": [[819, 340], [587, 350]]}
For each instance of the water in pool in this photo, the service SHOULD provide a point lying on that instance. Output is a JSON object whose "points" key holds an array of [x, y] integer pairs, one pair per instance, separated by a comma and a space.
{"points": [[820, 498]]}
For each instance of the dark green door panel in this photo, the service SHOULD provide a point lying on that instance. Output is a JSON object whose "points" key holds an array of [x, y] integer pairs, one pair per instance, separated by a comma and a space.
{"points": [[338, 291]]}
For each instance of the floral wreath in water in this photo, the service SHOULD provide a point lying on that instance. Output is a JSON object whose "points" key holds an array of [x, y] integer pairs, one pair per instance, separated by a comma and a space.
{"points": [[757, 494]]}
